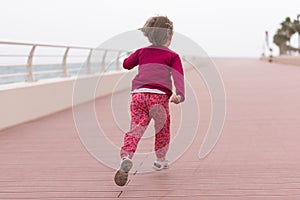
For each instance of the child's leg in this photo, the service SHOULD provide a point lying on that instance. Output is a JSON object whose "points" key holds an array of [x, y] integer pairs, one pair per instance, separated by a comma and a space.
{"points": [[139, 121], [162, 140], [161, 115]]}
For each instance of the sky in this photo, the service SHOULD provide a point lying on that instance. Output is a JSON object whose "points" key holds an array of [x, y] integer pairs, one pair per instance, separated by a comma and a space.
{"points": [[231, 28]]}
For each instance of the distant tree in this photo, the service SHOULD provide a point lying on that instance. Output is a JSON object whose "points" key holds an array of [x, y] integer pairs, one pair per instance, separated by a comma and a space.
{"points": [[287, 28], [284, 34]]}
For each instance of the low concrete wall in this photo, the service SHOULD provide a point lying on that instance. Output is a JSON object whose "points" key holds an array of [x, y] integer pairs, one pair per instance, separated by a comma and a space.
{"points": [[28, 101]]}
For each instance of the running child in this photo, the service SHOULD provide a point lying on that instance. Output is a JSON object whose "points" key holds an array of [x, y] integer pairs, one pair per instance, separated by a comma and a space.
{"points": [[151, 93]]}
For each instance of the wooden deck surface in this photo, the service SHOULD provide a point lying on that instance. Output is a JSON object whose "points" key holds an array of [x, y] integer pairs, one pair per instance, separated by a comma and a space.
{"points": [[257, 156]]}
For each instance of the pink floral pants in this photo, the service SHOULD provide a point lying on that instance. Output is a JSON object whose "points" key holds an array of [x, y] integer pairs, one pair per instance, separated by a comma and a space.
{"points": [[144, 107]]}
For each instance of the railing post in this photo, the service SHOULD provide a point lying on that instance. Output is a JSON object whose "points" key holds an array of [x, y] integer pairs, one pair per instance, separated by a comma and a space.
{"points": [[88, 62], [29, 64], [64, 63], [103, 61], [118, 61]]}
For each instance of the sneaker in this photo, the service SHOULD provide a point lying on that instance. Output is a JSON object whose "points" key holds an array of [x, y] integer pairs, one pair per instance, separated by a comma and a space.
{"points": [[122, 174], [160, 164]]}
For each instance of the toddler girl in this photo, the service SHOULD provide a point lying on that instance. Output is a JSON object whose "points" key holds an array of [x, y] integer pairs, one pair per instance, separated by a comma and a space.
{"points": [[151, 92]]}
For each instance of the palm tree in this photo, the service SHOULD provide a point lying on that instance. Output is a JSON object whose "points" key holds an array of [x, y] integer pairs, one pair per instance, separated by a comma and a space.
{"points": [[287, 27], [283, 35]]}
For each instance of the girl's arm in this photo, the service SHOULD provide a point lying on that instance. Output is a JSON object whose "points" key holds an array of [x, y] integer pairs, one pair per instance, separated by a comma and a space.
{"points": [[131, 61], [178, 77]]}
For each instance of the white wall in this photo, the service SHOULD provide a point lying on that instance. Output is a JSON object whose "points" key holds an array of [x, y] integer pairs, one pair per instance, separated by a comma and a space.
{"points": [[28, 101]]}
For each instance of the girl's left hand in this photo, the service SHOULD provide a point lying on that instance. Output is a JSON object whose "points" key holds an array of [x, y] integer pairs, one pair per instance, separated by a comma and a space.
{"points": [[176, 99]]}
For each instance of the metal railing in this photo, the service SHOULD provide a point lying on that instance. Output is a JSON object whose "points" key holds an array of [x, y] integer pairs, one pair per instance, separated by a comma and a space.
{"points": [[31, 54]]}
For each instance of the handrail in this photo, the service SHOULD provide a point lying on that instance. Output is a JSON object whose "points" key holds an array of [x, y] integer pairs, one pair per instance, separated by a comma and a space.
{"points": [[41, 45], [30, 72], [54, 46]]}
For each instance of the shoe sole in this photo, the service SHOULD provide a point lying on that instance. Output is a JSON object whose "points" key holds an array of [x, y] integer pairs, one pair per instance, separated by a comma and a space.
{"points": [[122, 174], [121, 178]]}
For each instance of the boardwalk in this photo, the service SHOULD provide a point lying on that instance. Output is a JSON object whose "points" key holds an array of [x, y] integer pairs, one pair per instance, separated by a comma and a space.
{"points": [[257, 156]]}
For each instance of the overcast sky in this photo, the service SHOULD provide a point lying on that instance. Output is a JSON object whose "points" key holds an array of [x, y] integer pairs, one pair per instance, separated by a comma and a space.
{"points": [[231, 28]]}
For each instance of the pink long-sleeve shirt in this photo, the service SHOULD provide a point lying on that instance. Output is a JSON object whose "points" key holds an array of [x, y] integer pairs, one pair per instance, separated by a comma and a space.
{"points": [[156, 67]]}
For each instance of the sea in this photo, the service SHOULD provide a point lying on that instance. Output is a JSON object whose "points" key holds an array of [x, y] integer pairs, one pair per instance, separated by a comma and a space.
{"points": [[48, 71], [47, 62]]}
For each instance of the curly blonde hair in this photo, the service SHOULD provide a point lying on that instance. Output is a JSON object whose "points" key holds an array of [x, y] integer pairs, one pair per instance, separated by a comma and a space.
{"points": [[158, 30]]}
